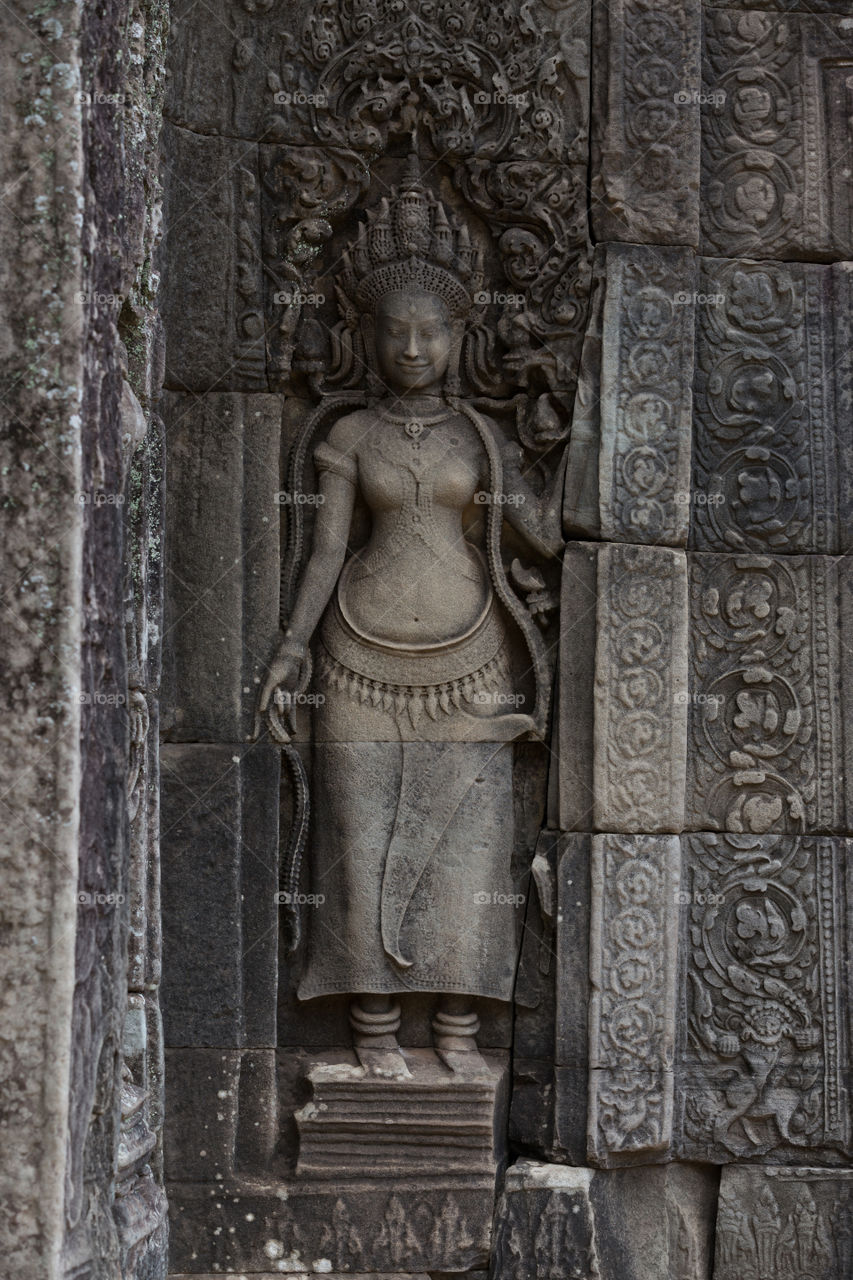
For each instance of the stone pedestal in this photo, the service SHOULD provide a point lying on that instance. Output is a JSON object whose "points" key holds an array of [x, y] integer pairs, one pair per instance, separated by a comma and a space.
{"points": [[365, 1126]]}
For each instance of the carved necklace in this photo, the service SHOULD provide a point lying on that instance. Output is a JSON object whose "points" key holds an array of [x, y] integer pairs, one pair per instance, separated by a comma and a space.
{"points": [[414, 424]]}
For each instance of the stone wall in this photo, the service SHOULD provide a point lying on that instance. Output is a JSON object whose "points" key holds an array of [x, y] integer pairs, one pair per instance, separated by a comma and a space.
{"points": [[81, 1081]]}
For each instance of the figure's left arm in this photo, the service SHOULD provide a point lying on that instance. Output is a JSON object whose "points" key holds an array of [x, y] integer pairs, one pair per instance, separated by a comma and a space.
{"points": [[536, 517]]}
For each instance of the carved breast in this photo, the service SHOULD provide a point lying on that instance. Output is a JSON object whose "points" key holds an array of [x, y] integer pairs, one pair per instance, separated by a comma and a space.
{"points": [[418, 581]]}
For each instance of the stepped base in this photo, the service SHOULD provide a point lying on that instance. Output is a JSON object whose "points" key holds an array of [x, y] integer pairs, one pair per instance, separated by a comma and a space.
{"points": [[436, 1121]]}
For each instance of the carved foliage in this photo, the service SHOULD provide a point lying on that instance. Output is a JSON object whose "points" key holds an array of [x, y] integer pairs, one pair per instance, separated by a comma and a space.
{"points": [[545, 1234], [640, 689], [785, 1224], [645, 405], [763, 450], [764, 731], [647, 119], [752, 156], [474, 84], [766, 1041], [632, 972]]}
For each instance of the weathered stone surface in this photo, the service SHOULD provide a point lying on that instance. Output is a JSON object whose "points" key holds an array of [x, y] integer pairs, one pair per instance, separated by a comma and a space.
{"points": [[222, 561], [202, 1106], [220, 886], [633, 960], [646, 122], [625, 619], [442, 1124], [765, 1065], [213, 316], [766, 750], [647, 367], [627, 1224], [772, 434], [631, 425], [551, 1055], [640, 689], [413, 1227], [785, 1223], [775, 123]]}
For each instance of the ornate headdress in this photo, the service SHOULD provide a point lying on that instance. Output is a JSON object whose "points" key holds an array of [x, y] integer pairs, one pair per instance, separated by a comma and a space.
{"points": [[407, 242]]}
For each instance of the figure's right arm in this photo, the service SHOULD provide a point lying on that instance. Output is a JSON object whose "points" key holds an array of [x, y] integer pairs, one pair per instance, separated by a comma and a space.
{"points": [[336, 498]]}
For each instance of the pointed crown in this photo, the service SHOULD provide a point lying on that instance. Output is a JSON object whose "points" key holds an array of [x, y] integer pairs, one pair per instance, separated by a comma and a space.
{"points": [[409, 242]]}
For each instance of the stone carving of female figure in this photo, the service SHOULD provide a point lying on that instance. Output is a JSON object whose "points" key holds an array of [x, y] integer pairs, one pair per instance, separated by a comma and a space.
{"points": [[422, 654]]}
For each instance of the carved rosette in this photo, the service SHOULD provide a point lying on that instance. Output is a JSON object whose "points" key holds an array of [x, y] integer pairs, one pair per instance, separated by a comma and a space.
{"points": [[640, 695], [647, 368], [765, 1058], [633, 962], [772, 93], [646, 119], [765, 735], [765, 450]]}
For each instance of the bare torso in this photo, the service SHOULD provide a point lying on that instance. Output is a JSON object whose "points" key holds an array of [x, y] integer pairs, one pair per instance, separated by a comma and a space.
{"points": [[418, 582]]}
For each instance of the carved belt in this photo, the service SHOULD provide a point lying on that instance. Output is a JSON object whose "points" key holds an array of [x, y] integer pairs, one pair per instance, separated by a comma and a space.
{"points": [[410, 670]]}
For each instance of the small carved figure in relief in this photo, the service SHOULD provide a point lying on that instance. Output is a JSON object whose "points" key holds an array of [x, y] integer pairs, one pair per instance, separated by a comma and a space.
{"points": [[426, 664]]}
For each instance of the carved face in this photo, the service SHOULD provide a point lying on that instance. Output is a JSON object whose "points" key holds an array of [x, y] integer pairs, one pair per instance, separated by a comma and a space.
{"points": [[414, 336]]}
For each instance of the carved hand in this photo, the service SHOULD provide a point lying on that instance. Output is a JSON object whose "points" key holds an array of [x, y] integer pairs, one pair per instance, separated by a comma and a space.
{"points": [[283, 673]]}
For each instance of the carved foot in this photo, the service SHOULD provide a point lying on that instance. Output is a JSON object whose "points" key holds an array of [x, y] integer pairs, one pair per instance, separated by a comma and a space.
{"points": [[375, 1022], [454, 1030]]}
